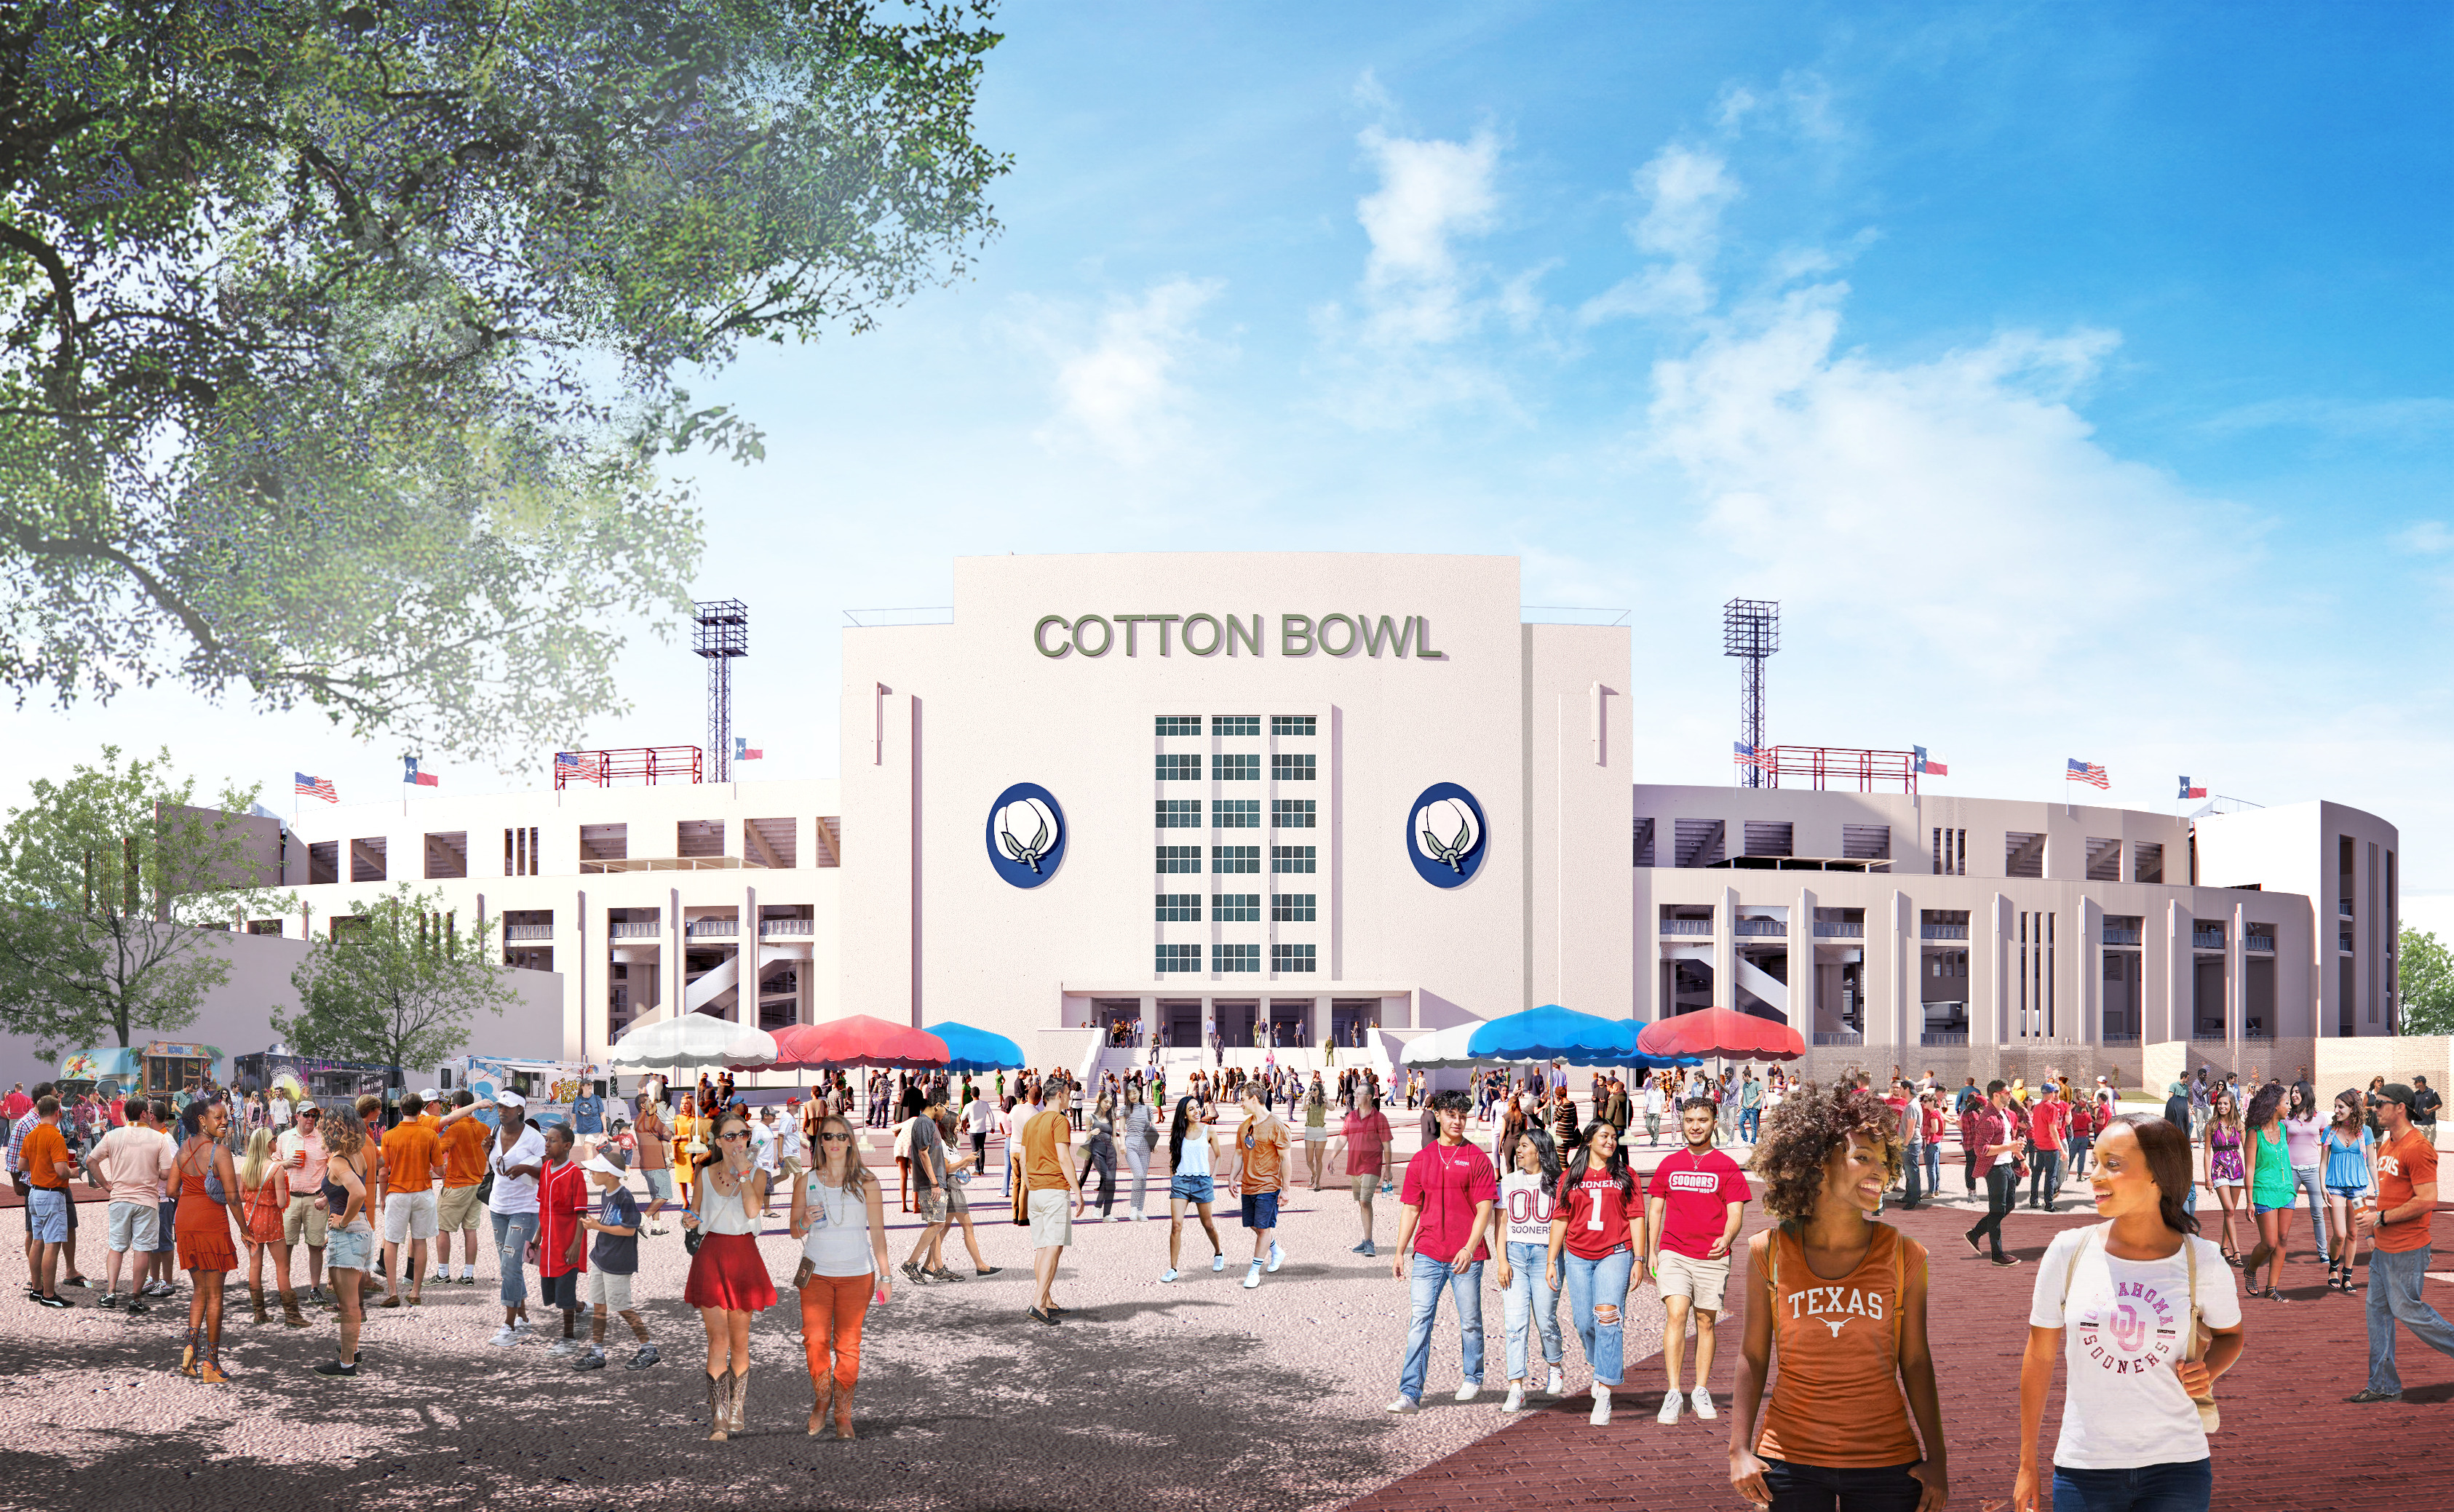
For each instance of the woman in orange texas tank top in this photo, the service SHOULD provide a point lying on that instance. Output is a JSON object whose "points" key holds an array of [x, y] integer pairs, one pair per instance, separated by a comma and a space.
{"points": [[1841, 1298]]}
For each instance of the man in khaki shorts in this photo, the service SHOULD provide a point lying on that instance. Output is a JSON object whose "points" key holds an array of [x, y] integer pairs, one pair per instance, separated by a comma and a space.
{"points": [[459, 1209], [1693, 1210], [302, 1155], [1051, 1197]]}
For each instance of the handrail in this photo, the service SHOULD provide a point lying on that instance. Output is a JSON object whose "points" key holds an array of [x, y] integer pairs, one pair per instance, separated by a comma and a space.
{"points": [[634, 929], [1843, 1038], [2265, 943], [1944, 931], [1687, 926], [786, 926], [711, 926], [1759, 927], [1842, 929], [2121, 936], [2207, 939], [671, 863], [1944, 1037], [528, 932]]}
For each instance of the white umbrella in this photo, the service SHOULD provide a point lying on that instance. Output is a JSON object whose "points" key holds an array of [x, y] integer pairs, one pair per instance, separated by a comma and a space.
{"points": [[749, 1050], [1440, 1050], [671, 1044]]}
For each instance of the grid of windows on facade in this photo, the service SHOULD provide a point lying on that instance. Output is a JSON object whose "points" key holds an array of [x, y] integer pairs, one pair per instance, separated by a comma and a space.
{"points": [[1291, 858], [1235, 908], [1294, 908], [1179, 813], [1233, 768], [1291, 724], [1292, 767], [1179, 908], [1237, 813], [1180, 957], [1292, 814], [1291, 958], [1179, 724], [1235, 957], [1234, 858], [1179, 768], [1179, 859], [519, 853], [1234, 724], [1951, 852]]}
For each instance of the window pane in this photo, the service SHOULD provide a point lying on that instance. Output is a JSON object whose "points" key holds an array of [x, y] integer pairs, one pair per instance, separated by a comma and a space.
{"points": [[1291, 724], [1235, 908], [1235, 957], [1291, 858], [1179, 857], [1291, 958], [1179, 724], [1292, 768], [1235, 724], [1180, 957], [1179, 769], [1237, 813], [1179, 908], [1234, 768], [1179, 813], [1235, 859], [1292, 908], [1290, 814]]}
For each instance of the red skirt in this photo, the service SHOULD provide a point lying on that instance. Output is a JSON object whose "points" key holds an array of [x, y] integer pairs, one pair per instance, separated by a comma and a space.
{"points": [[203, 1234], [729, 1272]]}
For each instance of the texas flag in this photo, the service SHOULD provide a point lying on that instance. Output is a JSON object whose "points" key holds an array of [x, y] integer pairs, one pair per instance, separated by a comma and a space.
{"points": [[409, 773], [2189, 792], [743, 751], [1927, 764]]}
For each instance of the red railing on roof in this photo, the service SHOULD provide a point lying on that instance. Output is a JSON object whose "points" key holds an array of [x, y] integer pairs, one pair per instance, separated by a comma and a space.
{"points": [[1826, 765], [650, 763]]}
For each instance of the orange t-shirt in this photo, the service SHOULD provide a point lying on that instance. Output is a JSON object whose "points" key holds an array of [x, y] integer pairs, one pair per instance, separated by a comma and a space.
{"points": [[41, 1147], [2402, 1164], [1262, 1142], [1836, 1400], [408, 1154], [464, 1153], [432, 1121], [1042, 1171]]}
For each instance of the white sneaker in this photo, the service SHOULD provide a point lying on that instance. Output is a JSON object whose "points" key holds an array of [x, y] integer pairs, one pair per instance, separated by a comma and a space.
{"points": [[1168, 1275], [1557, 1385], [1277, 1257], [1469, 1390], [1669, 1413], [563, 1348], [524, 1326], [1601, 1418], [1402, 1404], [1516, 1401], [1703, 1402], [1253, 1276], [505, 1337], [1218, 1263]]}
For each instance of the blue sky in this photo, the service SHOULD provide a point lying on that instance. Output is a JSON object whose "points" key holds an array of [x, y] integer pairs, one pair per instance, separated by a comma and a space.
{"points": [[2081, 379]]}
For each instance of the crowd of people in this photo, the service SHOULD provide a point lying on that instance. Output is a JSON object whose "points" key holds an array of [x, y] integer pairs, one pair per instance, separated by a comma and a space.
{"points": [[2139, 1305]]}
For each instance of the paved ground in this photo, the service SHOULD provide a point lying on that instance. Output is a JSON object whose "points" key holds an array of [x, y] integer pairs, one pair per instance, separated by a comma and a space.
{"points": [[2289, 1444]]}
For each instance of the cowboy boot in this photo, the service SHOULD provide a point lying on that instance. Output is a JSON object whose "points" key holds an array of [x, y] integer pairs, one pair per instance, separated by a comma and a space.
{"points": [[825, 1396], [739, 1397], [843, 1411], [718, 1403], [289, 1312], [255, 1291]]}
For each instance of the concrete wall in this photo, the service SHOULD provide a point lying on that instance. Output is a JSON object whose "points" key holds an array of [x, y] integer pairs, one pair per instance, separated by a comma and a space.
{"points": [[237, 1016], [2297, 849]]}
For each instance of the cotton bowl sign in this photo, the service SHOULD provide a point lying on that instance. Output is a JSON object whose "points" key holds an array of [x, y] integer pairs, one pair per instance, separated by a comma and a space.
{"points": [[1026, 835], [1445, 835]]}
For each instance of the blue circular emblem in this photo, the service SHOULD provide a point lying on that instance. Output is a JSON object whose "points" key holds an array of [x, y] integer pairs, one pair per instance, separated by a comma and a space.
{"points": [[1445, 835], [1026, 835]]}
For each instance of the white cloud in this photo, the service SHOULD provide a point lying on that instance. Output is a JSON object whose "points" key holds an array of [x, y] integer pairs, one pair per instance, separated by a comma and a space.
{"points": [[1687, 190], [2429, 537], [1122, 392], [1431, 194]]}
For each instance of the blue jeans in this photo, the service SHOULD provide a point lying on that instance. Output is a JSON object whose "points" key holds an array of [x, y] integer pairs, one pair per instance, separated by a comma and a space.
{"points": [[1423, 1286], [1911, 1168], [512, 1232], [2044, 1173], [2394, 1297], [1933, 1167], [1530, 1299], [1820, 1489], [2310, 1179], [1592, 1284], [2187, 1486], [1750, 1124]]}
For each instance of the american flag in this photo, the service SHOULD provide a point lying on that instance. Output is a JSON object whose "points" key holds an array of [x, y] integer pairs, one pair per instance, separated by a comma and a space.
{"points": [[583, 764], [1742, 754], [315, 788], [2081, 772]]}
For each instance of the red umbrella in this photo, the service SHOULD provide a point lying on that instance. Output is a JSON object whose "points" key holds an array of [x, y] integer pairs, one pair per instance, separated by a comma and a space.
{"points": [[1722, 1032], [860, 1040]]}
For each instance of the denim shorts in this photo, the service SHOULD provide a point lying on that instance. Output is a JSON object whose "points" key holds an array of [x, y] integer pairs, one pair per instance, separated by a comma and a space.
{"points": [[2346, 1193], [351, 1248], [46, 1215], [1193, 1188], [660, 1185], [1261, 1210]]}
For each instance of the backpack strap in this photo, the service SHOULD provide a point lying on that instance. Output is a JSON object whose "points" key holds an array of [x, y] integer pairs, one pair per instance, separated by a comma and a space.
{"points": [[2096, 1232]]}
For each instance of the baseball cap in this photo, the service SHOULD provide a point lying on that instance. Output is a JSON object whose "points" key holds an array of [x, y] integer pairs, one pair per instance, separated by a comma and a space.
{"points": [[430, 1094], [508, 1098], [311, 1111], [2394, 1092], [608, 1161]]}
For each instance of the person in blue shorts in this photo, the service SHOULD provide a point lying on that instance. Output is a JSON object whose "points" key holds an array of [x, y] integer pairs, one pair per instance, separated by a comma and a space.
{"points": [[1192, 1155]]}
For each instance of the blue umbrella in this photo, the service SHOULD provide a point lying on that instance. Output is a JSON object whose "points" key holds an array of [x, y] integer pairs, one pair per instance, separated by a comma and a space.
{"points": [[976, 1049], [1552, 1033]]}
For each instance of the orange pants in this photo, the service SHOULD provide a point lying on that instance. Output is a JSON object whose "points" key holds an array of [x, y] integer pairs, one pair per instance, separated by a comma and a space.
{"points": [[832, 1310]]}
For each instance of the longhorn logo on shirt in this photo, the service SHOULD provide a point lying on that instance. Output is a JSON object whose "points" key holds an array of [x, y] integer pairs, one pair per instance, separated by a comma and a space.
{"points": [[1833, 1306]]}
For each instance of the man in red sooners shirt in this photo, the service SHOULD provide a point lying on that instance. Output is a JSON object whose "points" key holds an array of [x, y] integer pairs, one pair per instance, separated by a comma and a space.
{"points": [[1692, 1212]]}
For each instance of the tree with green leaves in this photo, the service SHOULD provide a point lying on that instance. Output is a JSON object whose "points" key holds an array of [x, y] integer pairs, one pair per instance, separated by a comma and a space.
{"points": [[395, 982], [343, 343], [117, 894], [2425, 969]]}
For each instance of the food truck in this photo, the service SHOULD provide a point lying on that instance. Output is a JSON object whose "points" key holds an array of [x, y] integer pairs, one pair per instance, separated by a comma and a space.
{"points": [[572, 1092], [326, 1082]]}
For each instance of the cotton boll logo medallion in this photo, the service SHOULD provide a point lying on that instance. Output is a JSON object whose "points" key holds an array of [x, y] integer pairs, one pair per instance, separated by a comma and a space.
{"points": [[1445, 835], [1026, 835]]}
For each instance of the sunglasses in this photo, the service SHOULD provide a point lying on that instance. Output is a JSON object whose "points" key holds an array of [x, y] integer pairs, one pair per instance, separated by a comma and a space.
{"points": [[834, 1139], [738, 1134]]}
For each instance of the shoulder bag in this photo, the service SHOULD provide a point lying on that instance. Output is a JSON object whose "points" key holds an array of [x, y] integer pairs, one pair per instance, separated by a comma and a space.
{"points": [[2194, 1347]]}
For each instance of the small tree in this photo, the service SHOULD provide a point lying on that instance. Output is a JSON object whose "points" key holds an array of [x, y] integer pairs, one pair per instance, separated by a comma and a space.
{"points": [[397, 983], [2427, 974], [109, 883]]}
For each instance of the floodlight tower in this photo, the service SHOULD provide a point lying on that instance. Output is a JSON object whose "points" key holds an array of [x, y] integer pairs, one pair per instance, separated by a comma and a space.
{"points": [[723, 634], [1751, 632]]}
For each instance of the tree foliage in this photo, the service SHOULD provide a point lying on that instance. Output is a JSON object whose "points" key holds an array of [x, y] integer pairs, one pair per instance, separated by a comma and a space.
{"points": [[2425, 971], [340, 342], [395, 982], [114, 891]]}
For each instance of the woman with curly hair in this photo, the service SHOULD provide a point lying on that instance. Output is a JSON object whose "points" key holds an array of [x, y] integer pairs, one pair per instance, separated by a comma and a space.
{"points": [[1842, 1298]]}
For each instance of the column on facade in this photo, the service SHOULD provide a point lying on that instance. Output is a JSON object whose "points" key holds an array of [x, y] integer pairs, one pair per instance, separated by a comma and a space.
{"points": [[673, 967], [1149, 1007], [745, 962], [581, 1012], [1805, 980], [1997, 1017], [1904, 969], [1725, 954], [2091, 972], [2180, 1018], [2237, 980]]}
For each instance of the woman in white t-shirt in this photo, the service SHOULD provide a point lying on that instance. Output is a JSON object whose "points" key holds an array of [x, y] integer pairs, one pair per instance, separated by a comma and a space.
{"points": [[1525, 1202], [2115, 1300]]}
